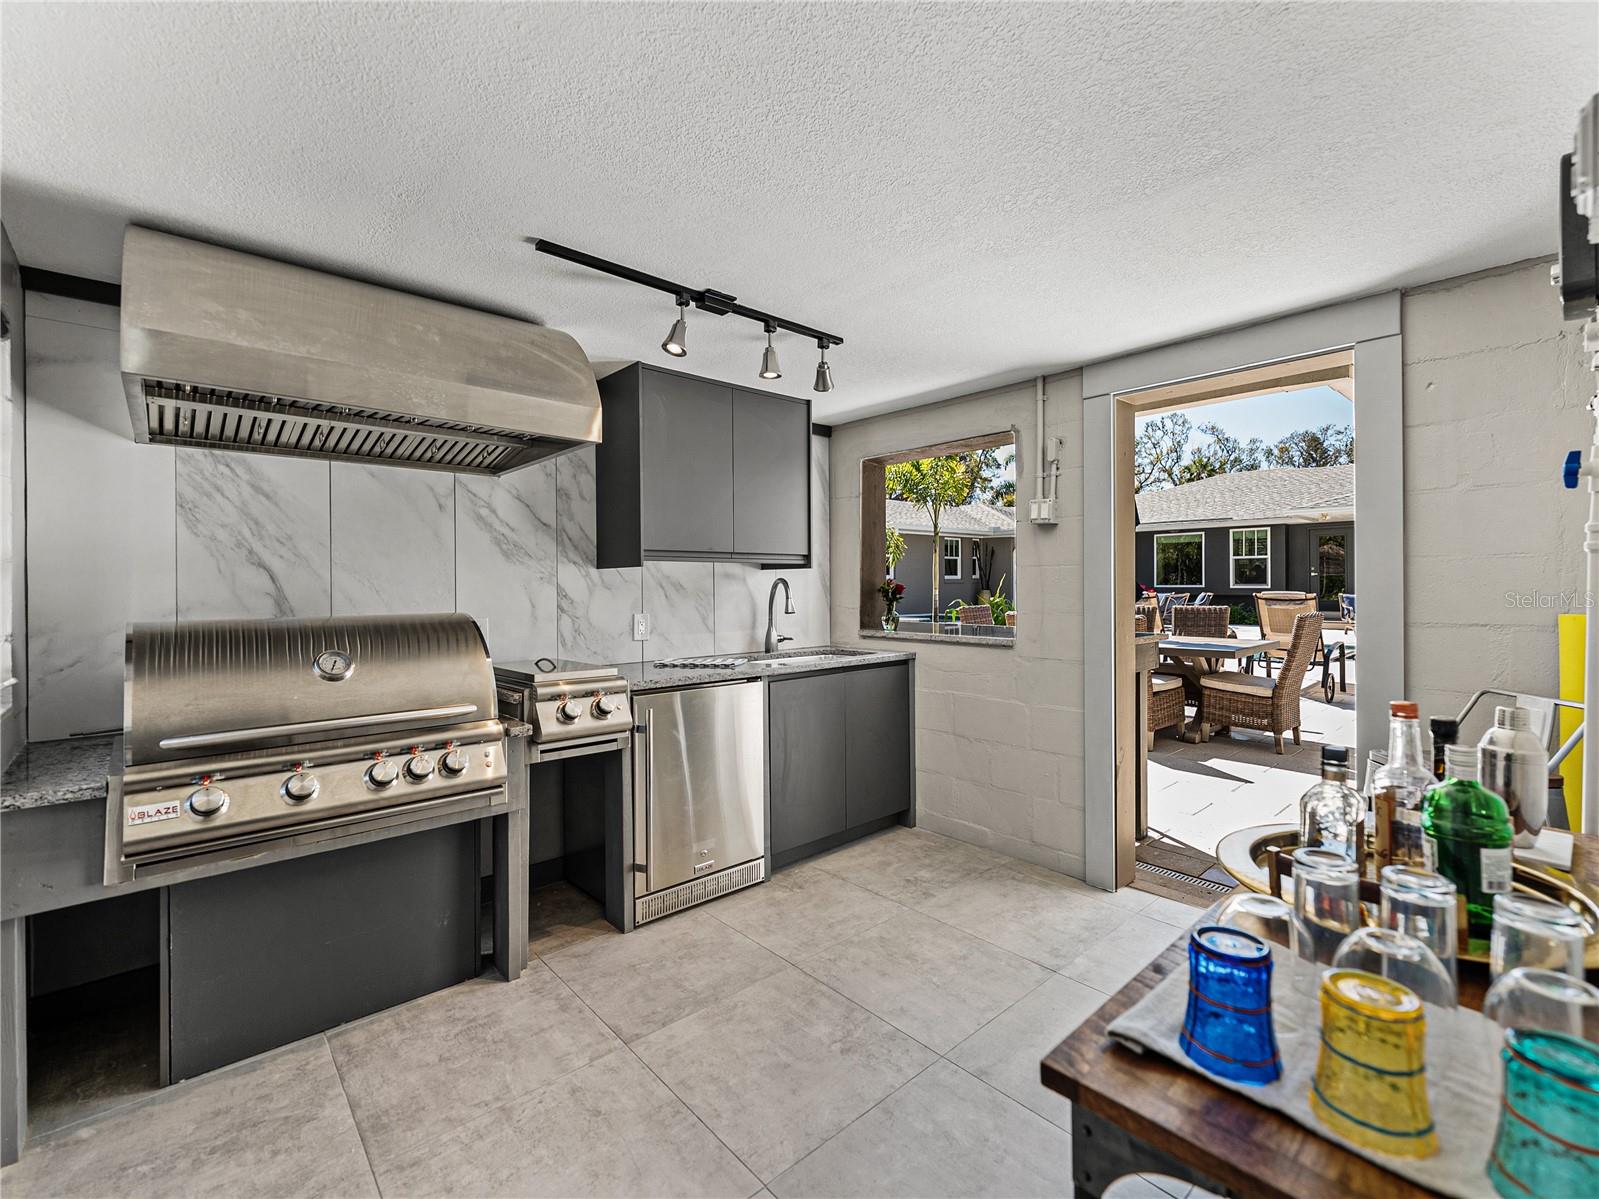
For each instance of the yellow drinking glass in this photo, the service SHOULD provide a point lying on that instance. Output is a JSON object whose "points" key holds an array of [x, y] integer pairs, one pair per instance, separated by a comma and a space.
{"points": [[1371, 1081]]}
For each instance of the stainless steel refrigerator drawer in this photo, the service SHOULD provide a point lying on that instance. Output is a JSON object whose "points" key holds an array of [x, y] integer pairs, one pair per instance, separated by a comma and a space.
{"points": [[699, 787]]}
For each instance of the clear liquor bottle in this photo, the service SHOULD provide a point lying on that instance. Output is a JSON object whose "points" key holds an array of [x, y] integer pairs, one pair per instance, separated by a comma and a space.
{"points": [[1331, 813], [1395, 790]]}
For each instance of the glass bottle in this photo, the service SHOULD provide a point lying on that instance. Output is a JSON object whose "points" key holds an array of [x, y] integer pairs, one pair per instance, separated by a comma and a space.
{"points": [[1331, 813], [1396, 789], [1445, 731], [1467, 837]]}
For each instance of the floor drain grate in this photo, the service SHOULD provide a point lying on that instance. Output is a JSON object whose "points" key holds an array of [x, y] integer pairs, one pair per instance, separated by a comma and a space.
{"points": [[1203, 884]]}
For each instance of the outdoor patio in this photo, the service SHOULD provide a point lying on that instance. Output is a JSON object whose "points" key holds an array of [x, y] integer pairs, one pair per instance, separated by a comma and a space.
{"points": [[1200, 793]]}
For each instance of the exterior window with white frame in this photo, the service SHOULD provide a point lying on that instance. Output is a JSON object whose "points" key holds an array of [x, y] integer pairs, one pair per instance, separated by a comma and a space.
{"points": [[952, 557], [1179, 559], [1251, 557]]}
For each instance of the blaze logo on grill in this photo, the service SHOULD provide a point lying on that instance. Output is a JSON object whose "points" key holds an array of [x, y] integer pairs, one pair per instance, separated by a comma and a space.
{"points": [[148, 813]]}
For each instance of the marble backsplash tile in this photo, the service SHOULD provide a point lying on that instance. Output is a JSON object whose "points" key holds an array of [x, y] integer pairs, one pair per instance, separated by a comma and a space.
{"points": [[101, 528], [393, 531], [254, 537], [505, 538], [595, 612]]}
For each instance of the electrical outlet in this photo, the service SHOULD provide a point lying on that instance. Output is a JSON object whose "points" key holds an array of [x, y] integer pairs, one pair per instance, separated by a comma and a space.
{"points": [[641, 626]]}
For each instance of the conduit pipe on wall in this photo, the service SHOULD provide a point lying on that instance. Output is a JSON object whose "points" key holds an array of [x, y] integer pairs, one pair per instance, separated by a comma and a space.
{"points": [[1042, 508]]}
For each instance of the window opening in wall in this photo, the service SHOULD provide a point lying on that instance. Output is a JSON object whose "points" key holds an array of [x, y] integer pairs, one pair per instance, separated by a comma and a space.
{"points": [[1244, 503], [1251, 557], [936, 521]]}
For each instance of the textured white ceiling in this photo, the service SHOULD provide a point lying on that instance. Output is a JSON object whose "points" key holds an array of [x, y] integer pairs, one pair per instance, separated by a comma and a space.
{"points": [[968, 194]]}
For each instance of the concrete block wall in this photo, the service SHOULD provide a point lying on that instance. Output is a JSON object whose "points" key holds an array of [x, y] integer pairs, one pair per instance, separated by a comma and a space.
{"points": [[1000, 730], [1495, 394]]}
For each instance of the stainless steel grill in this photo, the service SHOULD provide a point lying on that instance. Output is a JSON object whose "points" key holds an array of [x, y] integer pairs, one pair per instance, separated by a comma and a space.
{"points": [[238, 734]]}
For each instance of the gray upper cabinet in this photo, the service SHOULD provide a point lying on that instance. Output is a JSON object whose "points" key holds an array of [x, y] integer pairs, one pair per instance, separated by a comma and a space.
{"points": [[694, 469], [771, 499]]}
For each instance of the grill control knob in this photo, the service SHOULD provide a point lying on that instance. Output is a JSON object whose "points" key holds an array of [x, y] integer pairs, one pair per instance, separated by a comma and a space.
{"points": [[299, 787], [569, 710], [382, 773], [453, 763], [207, 801], [418, 767], [604, 706]]}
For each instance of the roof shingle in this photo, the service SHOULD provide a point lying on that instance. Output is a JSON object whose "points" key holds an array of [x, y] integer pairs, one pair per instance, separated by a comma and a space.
{"points": [[1282, 495]]}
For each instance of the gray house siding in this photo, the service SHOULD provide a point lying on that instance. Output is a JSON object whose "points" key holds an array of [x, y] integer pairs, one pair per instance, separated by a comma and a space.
{"points": [[1293, 565], [915, 570]]}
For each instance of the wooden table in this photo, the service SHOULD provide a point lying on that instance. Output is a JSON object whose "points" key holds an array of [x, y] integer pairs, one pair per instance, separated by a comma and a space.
{"points": [[1139, 1113], [1182, 654]]}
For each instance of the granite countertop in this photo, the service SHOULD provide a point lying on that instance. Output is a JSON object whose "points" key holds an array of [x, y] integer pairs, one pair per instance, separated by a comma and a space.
{"points": [[988, 640], [516, 728], [56, 772], [647, 676]]}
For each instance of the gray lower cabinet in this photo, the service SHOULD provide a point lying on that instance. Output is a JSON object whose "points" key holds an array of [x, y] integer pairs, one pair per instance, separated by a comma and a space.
{"points": [[806, 723], [840, 756], [878, 745]]}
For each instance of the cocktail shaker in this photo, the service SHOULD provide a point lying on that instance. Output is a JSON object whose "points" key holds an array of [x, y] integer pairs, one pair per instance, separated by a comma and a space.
{"points": [[1512, 763]]}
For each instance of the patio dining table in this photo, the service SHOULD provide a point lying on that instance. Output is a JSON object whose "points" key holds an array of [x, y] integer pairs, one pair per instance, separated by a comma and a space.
{"points": [[1182, 655]]}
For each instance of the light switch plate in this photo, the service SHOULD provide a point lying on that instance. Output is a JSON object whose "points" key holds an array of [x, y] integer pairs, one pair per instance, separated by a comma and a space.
{"points": [[641, 626]]}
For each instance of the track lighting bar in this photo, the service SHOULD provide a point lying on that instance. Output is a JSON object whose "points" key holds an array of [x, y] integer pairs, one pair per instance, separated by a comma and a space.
{"points": [[705, 299]]}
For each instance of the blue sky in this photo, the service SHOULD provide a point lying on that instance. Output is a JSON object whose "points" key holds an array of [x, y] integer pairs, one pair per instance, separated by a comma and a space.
{"points": [[1272, 417]]}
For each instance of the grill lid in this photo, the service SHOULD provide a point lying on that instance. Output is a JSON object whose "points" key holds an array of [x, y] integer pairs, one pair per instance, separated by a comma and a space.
{"points": [[195, 689], [227, 350]]}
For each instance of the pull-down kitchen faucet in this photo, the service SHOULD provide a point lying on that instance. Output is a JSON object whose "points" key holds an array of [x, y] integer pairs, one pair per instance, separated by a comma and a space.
{"points": [[772, 639]]}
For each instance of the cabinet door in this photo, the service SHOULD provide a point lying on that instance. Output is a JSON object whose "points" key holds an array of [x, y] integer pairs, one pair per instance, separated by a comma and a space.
{"points": [[686, 464], [771, 475], [879, 742], [807, 759]]}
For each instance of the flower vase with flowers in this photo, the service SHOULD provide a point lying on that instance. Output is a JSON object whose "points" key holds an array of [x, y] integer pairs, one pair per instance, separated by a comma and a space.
{"points": [[891, 593]]}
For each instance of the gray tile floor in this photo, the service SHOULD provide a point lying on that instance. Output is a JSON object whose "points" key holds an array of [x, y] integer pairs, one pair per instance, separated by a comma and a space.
{"points": [[867, 1023]]}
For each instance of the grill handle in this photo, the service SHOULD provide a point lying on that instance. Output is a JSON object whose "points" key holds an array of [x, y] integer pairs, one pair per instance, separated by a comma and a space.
{"points": [[301, 728]]}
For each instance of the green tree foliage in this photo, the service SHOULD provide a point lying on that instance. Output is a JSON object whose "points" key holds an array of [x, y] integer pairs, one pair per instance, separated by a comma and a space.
{"points": [[893, 549], [934, 484], [1163, 457]]}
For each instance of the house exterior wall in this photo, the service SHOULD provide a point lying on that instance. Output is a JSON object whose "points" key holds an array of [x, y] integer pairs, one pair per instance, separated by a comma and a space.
{"points": [[915, 570], [1292, 560], [999, 739]]}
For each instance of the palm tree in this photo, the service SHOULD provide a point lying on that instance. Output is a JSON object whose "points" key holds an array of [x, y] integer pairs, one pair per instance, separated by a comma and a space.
{"points": [[933, 484]]}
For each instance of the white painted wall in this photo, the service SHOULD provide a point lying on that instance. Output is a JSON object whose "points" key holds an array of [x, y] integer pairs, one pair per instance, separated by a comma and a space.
{"points": [[999, 739], [1496, 386], [120, 532]]}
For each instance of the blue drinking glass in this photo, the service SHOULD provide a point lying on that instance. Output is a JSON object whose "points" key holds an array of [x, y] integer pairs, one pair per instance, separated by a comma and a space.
{"points": [[1227, 1029], [1548, 1142]]}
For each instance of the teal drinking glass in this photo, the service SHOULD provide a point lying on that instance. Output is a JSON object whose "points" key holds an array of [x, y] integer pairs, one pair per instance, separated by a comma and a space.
{"points": [[1548, 1141]]}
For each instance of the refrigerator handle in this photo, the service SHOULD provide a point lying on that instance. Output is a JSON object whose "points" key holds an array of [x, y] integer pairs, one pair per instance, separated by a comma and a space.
{"points": [[643, 789]]}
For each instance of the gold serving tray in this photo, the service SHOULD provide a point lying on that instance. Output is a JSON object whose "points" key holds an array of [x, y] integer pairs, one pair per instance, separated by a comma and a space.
{"points": [[1245, 854]]}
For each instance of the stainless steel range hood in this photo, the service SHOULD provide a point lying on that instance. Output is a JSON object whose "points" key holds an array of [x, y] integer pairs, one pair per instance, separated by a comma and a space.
{"points": [[225, 350]]}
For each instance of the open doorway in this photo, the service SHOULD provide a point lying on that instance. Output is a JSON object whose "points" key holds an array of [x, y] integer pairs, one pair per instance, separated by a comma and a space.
{"points": [[1244, 551]]}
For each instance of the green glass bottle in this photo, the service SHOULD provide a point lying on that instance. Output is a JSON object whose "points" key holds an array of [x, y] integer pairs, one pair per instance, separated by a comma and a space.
{"points": [[1467, 837]]}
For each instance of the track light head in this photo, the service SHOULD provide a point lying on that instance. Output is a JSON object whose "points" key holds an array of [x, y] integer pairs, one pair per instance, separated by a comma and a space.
{"points": [[769, 367], [824, 373], [676, 343]]}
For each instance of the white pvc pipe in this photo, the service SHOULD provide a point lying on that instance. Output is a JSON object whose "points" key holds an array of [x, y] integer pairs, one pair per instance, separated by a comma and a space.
{"points": [[1043, 466]]}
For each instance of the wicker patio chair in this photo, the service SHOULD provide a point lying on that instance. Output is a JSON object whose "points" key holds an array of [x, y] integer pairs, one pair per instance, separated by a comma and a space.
{"points": [[1276, 612], [1150, 611], [1164, 693], [1140, 623], [1169, 601], [975, 614], [1208, 620], [1010, 620], [1233, 698]]}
